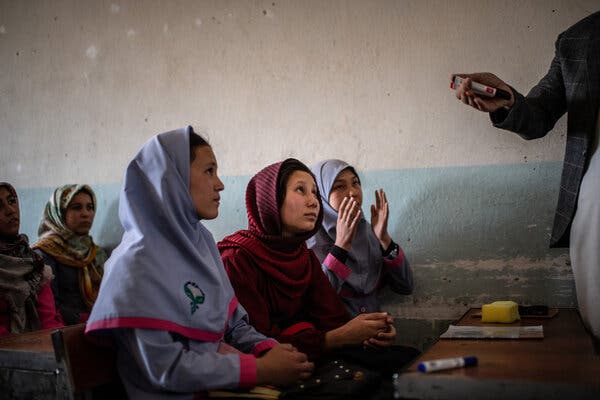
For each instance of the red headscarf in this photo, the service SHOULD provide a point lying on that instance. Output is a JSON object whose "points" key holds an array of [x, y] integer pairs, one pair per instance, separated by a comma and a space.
{"points": [[279, 280], [286, 260]]}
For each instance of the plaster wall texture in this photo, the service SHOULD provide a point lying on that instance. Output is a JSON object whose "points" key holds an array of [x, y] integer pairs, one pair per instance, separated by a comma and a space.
{"points": [[86, 83]]}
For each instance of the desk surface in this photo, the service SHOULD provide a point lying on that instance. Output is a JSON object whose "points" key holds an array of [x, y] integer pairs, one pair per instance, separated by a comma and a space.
{"points": [[29, 369], [563, 363], [38, 342]]}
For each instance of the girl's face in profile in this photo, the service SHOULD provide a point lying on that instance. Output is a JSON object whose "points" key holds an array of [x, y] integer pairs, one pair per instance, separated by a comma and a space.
{"points": [[346, 184], [9, 213], [205, 185], [80, 213], [300, 208]]}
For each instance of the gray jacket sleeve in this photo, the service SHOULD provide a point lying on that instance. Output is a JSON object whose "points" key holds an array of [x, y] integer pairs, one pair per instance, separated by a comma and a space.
{"points": [[534, 116]]}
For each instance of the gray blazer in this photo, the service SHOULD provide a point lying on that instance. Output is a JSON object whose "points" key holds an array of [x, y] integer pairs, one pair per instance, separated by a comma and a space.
{"points": [[572, 85]]}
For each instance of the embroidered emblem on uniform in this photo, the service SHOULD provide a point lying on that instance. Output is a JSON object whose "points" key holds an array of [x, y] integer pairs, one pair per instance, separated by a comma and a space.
{"points": [[195, 294]]}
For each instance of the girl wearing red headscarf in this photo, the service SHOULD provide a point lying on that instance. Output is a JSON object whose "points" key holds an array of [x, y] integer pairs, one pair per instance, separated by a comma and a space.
{"points": [[279, 281]]}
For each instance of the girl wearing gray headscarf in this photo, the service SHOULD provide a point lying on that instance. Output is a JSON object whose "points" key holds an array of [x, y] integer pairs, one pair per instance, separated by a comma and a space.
{"points": [[358, 257], [165, 297]]}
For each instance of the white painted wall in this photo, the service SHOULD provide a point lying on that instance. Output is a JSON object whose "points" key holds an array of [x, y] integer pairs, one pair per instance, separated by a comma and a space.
{"points": [[85, 83]]}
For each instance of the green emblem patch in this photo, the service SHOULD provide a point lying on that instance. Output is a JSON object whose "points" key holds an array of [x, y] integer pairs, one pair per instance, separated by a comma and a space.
{"points": [[195, 294]]}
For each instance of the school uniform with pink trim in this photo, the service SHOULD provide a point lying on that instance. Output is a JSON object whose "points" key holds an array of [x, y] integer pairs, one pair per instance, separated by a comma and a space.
{"points": [[165, 297], [358, 275]]}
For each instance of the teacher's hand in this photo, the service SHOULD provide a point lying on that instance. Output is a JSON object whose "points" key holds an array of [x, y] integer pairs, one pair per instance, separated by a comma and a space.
{"points": [[486, 104]]}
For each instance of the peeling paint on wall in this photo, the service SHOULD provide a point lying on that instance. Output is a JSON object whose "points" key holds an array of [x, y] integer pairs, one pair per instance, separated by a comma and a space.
{"points": [[445, 290]]}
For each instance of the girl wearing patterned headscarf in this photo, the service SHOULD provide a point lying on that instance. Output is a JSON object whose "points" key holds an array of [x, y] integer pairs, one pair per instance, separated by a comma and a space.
{"points": [[26, 301], [165, 297], [65, 245], [279, 280], [359, 257]]}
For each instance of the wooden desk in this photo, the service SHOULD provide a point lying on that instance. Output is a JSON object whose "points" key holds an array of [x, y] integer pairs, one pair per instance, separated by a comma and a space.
{"points": [[57, 364], [560, 366], [28, 368]]}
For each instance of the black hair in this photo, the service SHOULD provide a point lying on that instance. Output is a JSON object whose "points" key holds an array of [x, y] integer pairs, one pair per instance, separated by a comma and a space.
{"points": [[288, 167], [9, 187], [196, 141]]}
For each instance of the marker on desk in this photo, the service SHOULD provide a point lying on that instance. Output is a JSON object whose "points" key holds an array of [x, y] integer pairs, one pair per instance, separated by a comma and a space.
{"points": [[446, 363], [481, 90]]}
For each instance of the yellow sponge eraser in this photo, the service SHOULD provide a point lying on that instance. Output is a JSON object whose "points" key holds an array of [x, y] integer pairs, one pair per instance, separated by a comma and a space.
{"points": [[500, 311]]}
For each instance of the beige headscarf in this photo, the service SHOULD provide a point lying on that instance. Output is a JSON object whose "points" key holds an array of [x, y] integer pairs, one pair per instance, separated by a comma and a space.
{"points": [[68, 248]]}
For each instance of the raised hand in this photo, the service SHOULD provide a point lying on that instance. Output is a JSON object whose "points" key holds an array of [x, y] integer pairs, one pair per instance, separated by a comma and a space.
{"points": [[347, 221], [282, 366], [379, 218], [485, 104]]}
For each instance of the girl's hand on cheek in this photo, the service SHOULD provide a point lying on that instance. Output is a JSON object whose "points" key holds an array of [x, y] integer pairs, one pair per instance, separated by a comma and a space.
{"points": [[347, 221]]}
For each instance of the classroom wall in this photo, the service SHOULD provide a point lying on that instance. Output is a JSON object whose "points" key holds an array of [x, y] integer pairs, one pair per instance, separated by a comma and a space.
{"points": [[85, 83]]}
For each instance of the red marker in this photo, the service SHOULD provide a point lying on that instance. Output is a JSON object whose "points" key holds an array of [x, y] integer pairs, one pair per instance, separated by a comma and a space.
{"points": [[482, 90]]}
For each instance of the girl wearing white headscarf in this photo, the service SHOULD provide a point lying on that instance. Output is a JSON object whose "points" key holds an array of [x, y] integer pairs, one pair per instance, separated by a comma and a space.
{"points": [[165, 296], [358, 257]]}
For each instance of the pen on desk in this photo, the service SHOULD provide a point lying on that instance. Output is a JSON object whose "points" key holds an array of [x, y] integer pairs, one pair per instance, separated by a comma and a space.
{"points": [[447, 363]]}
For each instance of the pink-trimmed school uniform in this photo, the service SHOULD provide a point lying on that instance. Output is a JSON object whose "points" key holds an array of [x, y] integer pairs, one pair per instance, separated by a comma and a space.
{"points": [[359, 274], [165, 297]]}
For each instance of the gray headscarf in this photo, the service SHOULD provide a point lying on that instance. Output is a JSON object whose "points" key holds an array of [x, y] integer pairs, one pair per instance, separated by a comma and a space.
{"points": [[364, 258], [166, 273]]}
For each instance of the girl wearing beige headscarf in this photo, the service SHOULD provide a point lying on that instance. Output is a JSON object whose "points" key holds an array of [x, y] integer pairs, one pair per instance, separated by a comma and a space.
{"points": [[65, 244]]}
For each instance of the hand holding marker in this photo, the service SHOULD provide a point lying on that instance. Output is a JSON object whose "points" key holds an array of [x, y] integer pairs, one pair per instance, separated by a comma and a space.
{"points": [[446, 363], [481, 90]]}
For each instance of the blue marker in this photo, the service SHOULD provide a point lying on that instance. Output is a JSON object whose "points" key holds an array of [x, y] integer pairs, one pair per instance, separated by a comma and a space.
{"points": [[446, 363]]}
